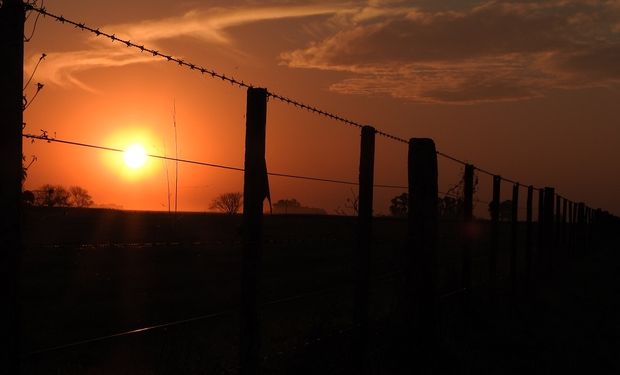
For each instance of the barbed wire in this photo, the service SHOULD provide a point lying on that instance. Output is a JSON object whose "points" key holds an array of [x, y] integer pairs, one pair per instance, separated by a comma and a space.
{"points": [[236, 82], [45, 137], [213, 73]]}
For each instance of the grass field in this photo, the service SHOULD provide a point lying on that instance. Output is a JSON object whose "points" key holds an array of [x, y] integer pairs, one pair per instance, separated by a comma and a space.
{"points": [[90, 273]]}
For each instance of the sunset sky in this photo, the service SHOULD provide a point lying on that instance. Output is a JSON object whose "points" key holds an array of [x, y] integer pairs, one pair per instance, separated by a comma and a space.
{"points": [[528, 89]]}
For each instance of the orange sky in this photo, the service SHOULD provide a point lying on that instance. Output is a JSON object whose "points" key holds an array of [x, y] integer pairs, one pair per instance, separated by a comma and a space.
{"points": [[528, 89]]}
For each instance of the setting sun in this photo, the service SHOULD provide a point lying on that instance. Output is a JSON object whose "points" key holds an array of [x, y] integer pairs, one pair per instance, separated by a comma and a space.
{"points": [[135, 156]]}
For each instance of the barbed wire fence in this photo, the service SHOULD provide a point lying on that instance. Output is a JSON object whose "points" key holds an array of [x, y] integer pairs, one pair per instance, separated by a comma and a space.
{"points": [[560, 220]]}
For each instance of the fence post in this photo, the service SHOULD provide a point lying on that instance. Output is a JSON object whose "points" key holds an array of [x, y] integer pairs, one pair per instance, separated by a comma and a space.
{"points": [[548, 228], [255, 189], [423, 196], [564, 228], [528, 240], [468, 222], [557, 242], [513, 237], [580, 227], [497, 180], [12, 16], [541, 237], [571, 228], [364, 237]]}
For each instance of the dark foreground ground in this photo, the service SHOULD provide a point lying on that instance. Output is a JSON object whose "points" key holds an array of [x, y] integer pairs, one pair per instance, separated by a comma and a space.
{"points": [[91, 278]]}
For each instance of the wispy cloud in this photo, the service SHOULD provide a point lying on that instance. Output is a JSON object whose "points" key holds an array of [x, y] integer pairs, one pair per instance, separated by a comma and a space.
{"points": [[496, 50], [210, 26]]}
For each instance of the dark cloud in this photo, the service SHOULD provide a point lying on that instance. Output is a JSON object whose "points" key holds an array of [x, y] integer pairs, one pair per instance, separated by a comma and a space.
{"points": [[490, 51]]}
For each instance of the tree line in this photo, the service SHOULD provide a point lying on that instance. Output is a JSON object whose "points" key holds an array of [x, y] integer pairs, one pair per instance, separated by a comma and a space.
{"points": [[57, 196]]}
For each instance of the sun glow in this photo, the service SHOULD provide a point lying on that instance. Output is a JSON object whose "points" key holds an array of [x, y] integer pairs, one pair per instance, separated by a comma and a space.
{"points": [[135, 156]]}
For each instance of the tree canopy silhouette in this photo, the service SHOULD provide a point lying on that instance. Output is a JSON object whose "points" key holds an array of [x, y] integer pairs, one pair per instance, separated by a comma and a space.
{"points": [[229, 203]]}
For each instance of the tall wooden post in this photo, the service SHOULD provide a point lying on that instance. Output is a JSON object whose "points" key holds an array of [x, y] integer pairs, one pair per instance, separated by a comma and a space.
{"points": [[423, 196], [529, 237], [467, 233], [548, 229], [497, 180], [513, 237], [255, 189], [12, 16], [364, 237]]}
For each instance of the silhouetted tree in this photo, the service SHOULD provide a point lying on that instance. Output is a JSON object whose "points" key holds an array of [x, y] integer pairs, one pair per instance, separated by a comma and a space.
{"points": [[52, 196], [229, 203], [399, 205], [79, 197]]}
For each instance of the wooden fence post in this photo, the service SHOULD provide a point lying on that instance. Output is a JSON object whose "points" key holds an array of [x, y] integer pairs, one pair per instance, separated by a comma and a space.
{"points": [[529, 237], [467, 233], [580, 228], [423, 196], [497, 180], [571, 228], [541, 237], [514, 229], [12, 15], [557, 238], [255, 190], [548, 228], [564, 228], [364, 238]]}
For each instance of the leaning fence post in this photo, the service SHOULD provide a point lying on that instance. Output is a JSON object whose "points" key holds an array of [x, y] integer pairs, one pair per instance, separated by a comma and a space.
{"points": [[528, 240], [497, 180], [364, 237], [255, 189], [423, 196], [513, 237], [12, 14], [548, 227]]}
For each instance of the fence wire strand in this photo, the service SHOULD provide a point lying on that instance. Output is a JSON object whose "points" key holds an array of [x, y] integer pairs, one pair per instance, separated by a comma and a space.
{"points": [[49, 139], [240, 83]]}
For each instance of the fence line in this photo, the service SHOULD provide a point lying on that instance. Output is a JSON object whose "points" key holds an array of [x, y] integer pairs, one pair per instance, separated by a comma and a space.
{"points": [[235, 82], [419, 277]]}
